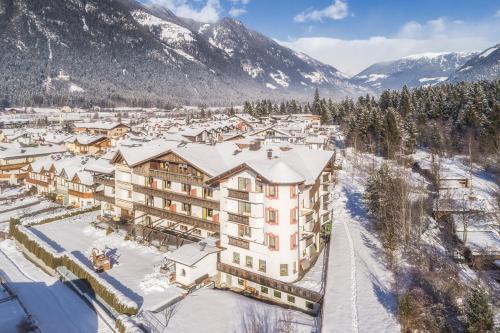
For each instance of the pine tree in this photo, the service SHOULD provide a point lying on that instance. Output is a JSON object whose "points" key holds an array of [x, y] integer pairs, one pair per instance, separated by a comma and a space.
{"points": [[316, 106], [478, 312]]}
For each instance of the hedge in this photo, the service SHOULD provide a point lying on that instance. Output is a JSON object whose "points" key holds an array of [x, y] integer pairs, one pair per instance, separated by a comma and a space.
{"points": [[65, 216], [117, 300]]}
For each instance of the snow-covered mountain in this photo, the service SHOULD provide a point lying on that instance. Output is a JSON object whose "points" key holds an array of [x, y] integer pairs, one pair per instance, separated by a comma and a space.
{"points": [[121, 49], [483, 66], [414, 71]]}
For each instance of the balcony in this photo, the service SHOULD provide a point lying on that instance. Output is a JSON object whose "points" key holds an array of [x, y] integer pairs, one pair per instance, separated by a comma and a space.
{"points": [[176, 217], [171, 176], [238, 194], [184, 198], [105, 180], [100, 196], [241, 219], [84, 195], [239, 242], [270, 282]]}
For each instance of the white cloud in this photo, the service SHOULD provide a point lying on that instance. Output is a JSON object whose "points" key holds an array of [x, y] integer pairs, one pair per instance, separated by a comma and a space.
{"points": [[209, 11], [237, 11], [336, 11], [439, 35]]}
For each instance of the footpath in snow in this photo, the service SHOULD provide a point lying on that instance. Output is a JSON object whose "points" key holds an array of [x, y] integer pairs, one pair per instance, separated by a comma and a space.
{"points": [[358, 294], [55, 307]]}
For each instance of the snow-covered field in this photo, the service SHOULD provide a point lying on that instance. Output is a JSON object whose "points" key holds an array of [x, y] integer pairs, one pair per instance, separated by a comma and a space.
{"points": [[211, 311], [11, 312], [358, 295], [135, 270], [55, 307]]}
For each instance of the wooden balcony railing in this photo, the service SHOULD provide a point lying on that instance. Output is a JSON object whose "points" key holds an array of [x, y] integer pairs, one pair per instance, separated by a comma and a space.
{"points": [[172, 176], [36, 182], [239, 242], [100, 196], [176, 217], [85, 195], [271, 283], [237, 194], [104, 180], [241, 219], [184, 198]]}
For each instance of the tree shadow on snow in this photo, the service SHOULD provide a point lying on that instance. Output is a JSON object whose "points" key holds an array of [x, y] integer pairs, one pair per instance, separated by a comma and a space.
{"points": [[384, 296]]}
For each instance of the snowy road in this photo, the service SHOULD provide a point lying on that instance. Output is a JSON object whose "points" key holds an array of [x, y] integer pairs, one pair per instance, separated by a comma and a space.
{"points": [[54, 306], [357, 294]]}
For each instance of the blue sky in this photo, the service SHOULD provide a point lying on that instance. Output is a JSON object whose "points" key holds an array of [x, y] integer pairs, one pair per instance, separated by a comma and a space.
{"points": [[352, 34]]}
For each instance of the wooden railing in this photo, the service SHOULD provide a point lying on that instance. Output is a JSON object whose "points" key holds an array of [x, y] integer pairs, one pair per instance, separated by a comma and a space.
{"points": [[239, 242], [175, 217], [237, 194], [184, 198], [271, 283], [241, 219], [103, 180], [85, 195], [36, 182], [100, 196], [174, 177]]}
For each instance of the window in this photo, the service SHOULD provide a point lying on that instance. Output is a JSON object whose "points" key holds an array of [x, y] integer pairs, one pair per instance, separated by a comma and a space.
{"points": [[290, 299], [259, 187], [147, 220], [293, 241], [164, 165], [186, 188], [167, 184], [293, 191], [183, 228], [244, 208], [272, 216], [210, 212], [241, 282], [262, 265], [277, 294], [166, 203], [272, 191], [264, 290], [197, 232], [183, 168], [284, 270], [309, 305], [186, 207], [244, 230], [273, 242], [183, 272], [208, 192], [244, 184], [236, 257], [150, 201], [249, 262], [293, 215]]}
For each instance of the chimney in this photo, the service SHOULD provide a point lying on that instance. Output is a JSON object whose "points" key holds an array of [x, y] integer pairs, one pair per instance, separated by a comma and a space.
{"points": [[269, 153]]}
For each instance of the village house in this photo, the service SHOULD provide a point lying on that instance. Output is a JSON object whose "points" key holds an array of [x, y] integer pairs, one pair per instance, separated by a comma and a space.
{"points": [[84, 144], [111, 130]]}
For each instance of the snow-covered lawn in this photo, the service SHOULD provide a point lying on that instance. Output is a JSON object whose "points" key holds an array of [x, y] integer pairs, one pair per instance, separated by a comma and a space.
{"points": [[313, 279], [28, 207], [55, 307], [358, 295], [212, 311], [135, 270]]}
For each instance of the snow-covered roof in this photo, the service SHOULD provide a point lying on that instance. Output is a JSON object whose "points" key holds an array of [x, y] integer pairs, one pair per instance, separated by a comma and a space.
{"points": [[190, 254], [99, 125]]}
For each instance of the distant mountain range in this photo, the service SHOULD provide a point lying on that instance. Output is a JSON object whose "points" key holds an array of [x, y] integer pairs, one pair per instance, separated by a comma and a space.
{"points": [[123, 50], [430, 69], [414, 71], [483, 66], [126, 52]]}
